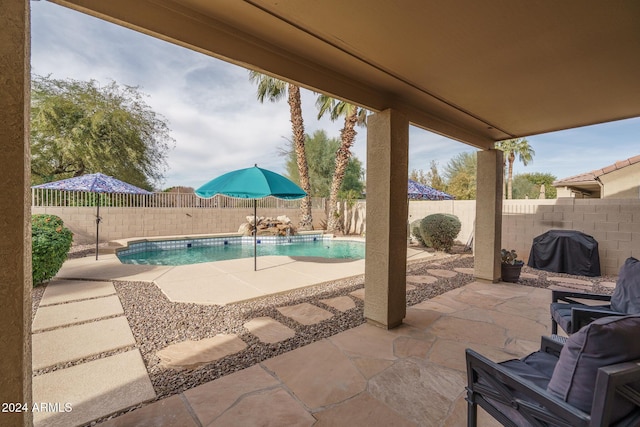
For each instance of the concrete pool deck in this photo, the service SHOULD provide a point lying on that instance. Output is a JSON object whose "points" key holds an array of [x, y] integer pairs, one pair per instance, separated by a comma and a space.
{"points": [[223, 282]]}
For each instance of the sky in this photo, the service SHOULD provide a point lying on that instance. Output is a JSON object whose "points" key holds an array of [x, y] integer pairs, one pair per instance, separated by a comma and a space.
{"points": [[218, 125]]}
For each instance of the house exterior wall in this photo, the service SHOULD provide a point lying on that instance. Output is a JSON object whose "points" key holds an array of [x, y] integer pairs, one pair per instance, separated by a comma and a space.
{"points": [[623, 183], [569, 192]]}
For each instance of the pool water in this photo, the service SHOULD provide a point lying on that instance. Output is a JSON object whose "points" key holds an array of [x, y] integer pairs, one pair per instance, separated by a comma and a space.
{"points": [[194, 255]]}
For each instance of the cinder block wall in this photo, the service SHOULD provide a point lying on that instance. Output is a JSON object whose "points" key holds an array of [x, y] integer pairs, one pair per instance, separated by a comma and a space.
{"points": [[119, 223], [465, 210], [614, 223]]}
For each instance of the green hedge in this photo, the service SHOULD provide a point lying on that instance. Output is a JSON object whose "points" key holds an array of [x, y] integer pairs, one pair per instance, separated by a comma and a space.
{"points": [[51, 242], [440, 230]]}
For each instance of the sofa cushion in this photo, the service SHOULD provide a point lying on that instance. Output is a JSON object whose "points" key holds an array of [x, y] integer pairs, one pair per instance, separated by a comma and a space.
{"points": [[561, 312], [604, 342], [626, 295]]}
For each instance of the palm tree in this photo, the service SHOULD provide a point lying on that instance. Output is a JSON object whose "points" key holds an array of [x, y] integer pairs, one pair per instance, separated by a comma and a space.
{"points": [[511, 148], [273, 89], [353, 115]]}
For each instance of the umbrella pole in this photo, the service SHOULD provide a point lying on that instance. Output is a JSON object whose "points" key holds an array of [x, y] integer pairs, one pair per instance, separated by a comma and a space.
{"points": [[97, 223], [255, 235]]}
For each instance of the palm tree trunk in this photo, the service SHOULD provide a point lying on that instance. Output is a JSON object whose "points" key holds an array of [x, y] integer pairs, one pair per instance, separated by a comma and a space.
{"points": [[347, 136], [512, 158], [297, 126]]}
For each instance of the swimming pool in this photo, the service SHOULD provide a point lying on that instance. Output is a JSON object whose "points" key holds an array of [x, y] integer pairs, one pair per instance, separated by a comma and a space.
{"points": [[194, 251]]}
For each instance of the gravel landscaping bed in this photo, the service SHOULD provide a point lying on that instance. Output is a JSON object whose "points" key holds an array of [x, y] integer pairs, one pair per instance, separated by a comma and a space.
{"points": [[156, 322]]}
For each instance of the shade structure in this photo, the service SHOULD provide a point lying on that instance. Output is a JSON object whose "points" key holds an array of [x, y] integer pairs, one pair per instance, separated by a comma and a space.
{"points": [[94, 183], [417, 191], [252, 183]]}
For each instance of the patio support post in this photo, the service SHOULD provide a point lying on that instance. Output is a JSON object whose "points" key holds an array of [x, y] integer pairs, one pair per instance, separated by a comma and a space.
{"points": [[488, 229], [15, 209], [387, 212]]}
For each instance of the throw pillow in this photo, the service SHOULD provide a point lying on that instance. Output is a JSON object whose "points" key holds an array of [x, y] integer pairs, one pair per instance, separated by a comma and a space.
{"points": [[604, 342], [626, 295]]}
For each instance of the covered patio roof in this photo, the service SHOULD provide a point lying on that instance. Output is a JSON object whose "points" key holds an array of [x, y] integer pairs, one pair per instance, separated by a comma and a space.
{"points": [[474, 71], [477, 72]]}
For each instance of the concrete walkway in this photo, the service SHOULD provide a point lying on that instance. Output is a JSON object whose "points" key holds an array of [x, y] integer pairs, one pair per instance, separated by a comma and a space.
{"points": [[413, 375], [75, 322], [223, 282]]}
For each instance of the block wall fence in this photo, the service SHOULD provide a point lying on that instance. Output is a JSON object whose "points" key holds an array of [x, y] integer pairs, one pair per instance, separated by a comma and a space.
{"points": [[614, 223], [126, 222]]}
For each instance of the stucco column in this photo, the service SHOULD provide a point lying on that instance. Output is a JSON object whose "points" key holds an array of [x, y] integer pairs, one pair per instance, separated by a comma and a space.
{"points": [[488, 229], [387, 210], [15, 207]]}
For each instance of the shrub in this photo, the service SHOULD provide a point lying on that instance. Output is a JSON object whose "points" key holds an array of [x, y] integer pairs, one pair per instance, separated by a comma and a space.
{"points": [[440, 230], [40, 221], [51, 242], [415, 231]]}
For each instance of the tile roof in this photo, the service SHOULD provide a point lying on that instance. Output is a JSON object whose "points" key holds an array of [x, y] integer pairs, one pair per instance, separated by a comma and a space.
{"points": [[617, 165], [591, 176]]}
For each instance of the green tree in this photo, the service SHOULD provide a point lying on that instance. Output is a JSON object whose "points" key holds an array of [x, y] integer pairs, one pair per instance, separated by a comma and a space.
{"points": [[320, 151], [527, 185], [434, 178], [353, 182], [80, 127], [431, 177], [460, 174], [273, 89], [515, 147], [353, 115], [420, 176]]}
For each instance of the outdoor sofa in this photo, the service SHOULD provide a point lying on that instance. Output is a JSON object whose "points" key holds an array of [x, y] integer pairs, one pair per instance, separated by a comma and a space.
{"points": [[571, 314], [591, 380]]}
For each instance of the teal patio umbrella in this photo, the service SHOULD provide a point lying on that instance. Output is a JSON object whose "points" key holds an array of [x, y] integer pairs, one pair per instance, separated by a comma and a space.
{"points": [[252, 183]]}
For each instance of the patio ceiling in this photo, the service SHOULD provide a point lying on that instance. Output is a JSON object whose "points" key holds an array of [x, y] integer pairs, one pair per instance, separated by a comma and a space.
{"points": [[474, 71]]}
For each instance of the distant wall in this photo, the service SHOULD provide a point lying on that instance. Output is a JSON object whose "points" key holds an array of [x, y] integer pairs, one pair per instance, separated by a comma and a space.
{"points": [[119, 222], [614, 223]]}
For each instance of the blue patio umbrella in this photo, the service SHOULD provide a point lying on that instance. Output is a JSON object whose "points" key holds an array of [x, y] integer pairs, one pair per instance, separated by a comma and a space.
{"points": [[94, 183], [252, 183], [417, 191]]}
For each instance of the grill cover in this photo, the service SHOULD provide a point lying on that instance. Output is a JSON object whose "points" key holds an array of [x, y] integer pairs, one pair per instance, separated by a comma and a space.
{"points": [[565, 251]]}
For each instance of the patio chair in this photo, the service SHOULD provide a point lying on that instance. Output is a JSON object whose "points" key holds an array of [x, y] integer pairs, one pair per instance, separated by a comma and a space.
{"points": [[591, 380], [572, 314]]}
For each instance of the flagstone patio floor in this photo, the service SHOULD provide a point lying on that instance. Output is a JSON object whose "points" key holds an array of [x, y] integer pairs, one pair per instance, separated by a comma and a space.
{"points": [[413, 375]]}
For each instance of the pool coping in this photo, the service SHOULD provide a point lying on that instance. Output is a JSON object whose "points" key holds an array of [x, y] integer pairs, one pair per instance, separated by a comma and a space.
{"points": [[224, 282], [159, 243], [127, 241]]}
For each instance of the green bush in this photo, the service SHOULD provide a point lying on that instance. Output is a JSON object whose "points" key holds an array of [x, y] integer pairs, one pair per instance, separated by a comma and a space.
{"points": [[50, 221], [51, 242], [415, 231], [439, 231]]}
